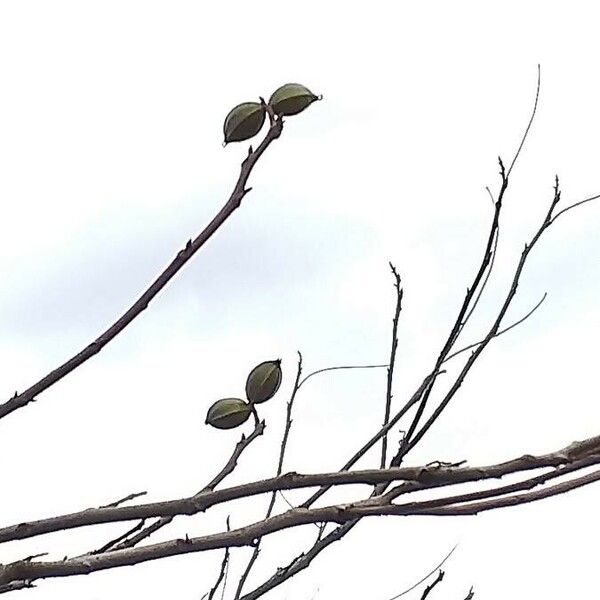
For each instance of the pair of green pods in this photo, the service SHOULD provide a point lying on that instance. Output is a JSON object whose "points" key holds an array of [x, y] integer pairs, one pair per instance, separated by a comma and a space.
{"points": [[262, 384], [246, 120]]}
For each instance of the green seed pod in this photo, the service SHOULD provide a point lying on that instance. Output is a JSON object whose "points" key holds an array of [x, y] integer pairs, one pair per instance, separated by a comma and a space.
{"points": [[228, 413], [264, 380], [291, 98], [243, 122]]}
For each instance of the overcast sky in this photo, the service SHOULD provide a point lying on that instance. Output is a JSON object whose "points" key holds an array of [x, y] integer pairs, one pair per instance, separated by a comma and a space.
{"points": [[110, 160]]}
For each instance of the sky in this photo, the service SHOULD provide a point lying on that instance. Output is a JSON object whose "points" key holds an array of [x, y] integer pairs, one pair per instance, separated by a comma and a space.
{"points": [[111, 120]]}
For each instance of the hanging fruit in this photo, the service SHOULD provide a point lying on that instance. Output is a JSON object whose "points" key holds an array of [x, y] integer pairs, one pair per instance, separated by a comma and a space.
{"points": [[291, 99], [228, 413], [264, 380], [243, 122]]}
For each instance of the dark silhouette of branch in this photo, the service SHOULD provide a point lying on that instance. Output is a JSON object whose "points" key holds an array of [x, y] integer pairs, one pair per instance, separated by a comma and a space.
{"points": [[339, 368], [390, 370], [222, 572], [495, 327], [499, 333], [537, 96], [412, 587], [428, 589], [192, 246], [223, 473]]}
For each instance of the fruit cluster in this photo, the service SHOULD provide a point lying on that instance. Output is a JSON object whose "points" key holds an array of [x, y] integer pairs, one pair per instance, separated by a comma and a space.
{"points": [[246, 120]]}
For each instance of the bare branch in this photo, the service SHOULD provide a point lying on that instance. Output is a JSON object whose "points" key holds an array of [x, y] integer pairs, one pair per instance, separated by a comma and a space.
{"points": [[423, 477], [495, 327], [222, 572], [225, 471], [428, 589], [521, 320], [412, 587], [564, 210], [239, 191], [339, 368], [125, 499], [244, 536], [537, 95], [390, 371]]}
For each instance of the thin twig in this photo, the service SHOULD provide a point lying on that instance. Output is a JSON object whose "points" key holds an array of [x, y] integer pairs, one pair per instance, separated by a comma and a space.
{"points": [[496, 325], [119, 539], [524, 318], [485, 281], [564, 210], [458, 324], [537, 95], [125, 499], [470, 595], [341, 367], [390, 370], [428, 589], [415, 585], [223, 473], [222, 571]]}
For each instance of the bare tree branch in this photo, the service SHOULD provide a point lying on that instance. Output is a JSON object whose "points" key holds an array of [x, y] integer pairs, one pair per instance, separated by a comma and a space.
{"points": [[521, 320], [192, 246], [537, 95], [412, 587], [223, 473], [390, 370]]}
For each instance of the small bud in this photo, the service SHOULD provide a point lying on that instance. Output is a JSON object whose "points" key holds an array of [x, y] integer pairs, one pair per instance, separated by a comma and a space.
{"points": [[264, 380], [228, 413], [291, 99]]}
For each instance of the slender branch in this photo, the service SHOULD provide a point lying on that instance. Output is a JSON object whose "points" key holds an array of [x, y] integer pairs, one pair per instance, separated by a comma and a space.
{"points": [[223, 473], [428, 589], [564, 210], [495, 327], [470, 595], [301, 562], [112, 543], [439, 566], [499, 333], [183, 256], [284, 441], [368, 445], [459, 323], [125, 499], [537, 95], [485, 281], [390, 370], [339, 368], [222, 571]]}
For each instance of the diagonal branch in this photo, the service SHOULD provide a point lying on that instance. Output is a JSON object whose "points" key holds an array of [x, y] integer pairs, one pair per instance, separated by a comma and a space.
{"points": [[183, 256]]}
